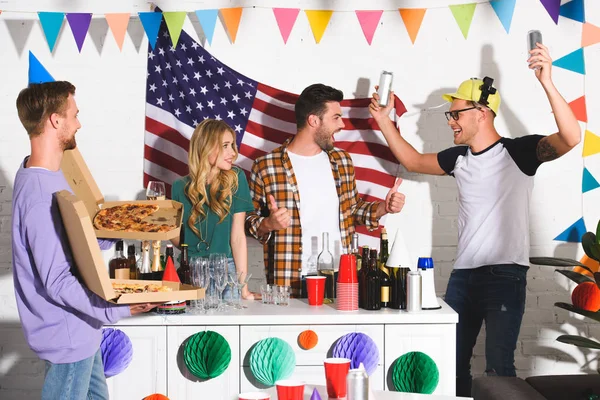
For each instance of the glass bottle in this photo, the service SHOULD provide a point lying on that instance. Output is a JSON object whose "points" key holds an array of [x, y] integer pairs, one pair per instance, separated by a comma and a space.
{"points": [[132, 262], [118, 266], [373, 284], [362, 274], [145, 271], [355, 251], [386, 284], [157, 270], [184, 271], [311, 265], [325, 268]]}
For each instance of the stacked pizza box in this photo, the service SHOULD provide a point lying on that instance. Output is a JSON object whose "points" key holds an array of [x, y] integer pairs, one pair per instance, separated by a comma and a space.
{"points": [[78, 210]]}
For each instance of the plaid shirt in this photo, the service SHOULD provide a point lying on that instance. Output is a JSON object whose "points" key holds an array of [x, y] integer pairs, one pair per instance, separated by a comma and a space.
{"points": [[272, 174]]}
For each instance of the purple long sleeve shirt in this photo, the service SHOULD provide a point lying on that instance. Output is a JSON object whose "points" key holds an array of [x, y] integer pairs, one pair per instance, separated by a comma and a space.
{"points": [[61, 318]]}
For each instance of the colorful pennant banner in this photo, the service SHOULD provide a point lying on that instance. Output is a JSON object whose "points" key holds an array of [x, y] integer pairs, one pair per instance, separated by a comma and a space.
{"points": [[368, 22], [579, 109], [318, 20], [573, 62], [591, 144], [208, 22], [231, 19], [174, 21], [151, 23], [574, 9], [79, 23], [118, 26], [588, 182], [590, 35], [51, 23], [553, 8], [573, 233], [413, 18], [463, 14], [504, 9], [286, 18]]}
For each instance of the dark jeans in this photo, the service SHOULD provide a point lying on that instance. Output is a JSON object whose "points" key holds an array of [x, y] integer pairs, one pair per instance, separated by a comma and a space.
{"points": [[494, 294]]}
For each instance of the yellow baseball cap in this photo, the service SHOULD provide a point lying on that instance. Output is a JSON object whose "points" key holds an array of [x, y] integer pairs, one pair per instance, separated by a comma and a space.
{"points": [[470, 90]]}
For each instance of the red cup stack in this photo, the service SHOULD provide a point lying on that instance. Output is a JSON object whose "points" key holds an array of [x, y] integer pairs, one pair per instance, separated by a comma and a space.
{"points": [[347, 284]]}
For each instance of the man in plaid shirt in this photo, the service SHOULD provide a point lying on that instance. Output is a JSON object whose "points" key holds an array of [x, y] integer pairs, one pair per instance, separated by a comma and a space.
{"points": [[299, 169]]}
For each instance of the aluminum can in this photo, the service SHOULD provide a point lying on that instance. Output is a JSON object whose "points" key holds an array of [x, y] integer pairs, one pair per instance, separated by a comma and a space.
{"points": [[357, 385], [385, 86], [413, 291]]}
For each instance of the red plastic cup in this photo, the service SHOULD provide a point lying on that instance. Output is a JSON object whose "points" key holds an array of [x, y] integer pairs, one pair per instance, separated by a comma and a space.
{"points": [[347, 272], [315, 286], [254, 396], [336, 370], [290, 390]]}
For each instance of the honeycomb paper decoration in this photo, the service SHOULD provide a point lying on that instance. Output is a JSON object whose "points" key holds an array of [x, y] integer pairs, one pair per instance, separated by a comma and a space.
{"points": [[586, 296], [207, 354], [415, 372], [156, 396], [307, 339], [272, 359], [359, 348], [116, 350]]}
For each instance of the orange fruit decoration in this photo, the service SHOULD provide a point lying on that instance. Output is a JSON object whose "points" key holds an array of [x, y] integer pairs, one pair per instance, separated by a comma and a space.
{"points": [[586, 296], [156, 396], [307, 339], [588, 262]]}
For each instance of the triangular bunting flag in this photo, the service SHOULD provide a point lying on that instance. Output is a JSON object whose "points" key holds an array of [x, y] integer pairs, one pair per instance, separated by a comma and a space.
{"points": [[286, 18], [231, 19], [318, 20], [588, 182], [174, 20], [573, 62], [368, 21], [591, 144], [37, 72], [208, 21], [463, 14], [51, 24], [553, 8], [579, 109], [573, 10], [504, 10], [573, 233], [590, 35], [151, 23], [79, 23], [412, 17], [117, 22]]}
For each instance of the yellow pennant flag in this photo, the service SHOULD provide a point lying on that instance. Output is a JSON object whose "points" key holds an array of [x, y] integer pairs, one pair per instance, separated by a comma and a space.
{"points": [[463, 14], [318, 20], [591, 144], [174, 20], [231, 19], [412, 17]]}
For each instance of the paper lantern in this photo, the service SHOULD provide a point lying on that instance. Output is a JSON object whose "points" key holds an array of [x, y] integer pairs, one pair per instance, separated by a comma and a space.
{"points": [[308, 339], [359, 348], [415, 372], [272, 359], [156, 396], [206, 354], [116, 350], [586, 296]]}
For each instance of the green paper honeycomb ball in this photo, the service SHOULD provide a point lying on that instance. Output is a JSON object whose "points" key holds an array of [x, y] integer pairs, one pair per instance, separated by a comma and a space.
{"points": [[415, 372], [207, 354], [272, 359]]}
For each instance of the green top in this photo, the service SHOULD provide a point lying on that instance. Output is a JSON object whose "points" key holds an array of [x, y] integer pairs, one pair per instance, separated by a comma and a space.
{"points": [[218, 234]]}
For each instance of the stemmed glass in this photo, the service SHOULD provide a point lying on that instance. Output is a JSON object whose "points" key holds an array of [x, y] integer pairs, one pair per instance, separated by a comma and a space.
{"points": [[219, 266], [238, 281], [156, 191], [201, 279]]}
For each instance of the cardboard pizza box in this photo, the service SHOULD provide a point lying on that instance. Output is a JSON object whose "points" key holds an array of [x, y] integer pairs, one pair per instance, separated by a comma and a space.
{"points": [[90, 263], [84, 186]]}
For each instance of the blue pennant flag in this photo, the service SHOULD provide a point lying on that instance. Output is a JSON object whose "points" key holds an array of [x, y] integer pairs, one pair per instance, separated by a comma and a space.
{"points": [[504, 10], [37, 72], [151, 23], [51, 24], [573, 233], [588, 182], [574, 10], [208, 21], [573, 62]]}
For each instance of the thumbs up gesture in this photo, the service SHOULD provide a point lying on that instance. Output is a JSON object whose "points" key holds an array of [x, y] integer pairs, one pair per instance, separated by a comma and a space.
{"points": [[394, 201], [280, 218]]}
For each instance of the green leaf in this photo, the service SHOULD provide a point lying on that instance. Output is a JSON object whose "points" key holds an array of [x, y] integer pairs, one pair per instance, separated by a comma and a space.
{"points": [[557, 262], [575, 276], [570, 307], [591, 248], [598, 231], [579, 341]]}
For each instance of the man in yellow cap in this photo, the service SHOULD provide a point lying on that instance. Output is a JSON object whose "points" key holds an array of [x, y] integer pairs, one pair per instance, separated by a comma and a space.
{"points": [[494, 175]]}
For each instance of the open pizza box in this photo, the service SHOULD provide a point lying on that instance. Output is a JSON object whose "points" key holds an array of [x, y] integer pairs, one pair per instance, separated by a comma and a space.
{"points": [[90, 263], [84, 186]]}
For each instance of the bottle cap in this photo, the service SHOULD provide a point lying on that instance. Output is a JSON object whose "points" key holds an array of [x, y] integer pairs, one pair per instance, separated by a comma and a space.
{"points": [[425, 263]]}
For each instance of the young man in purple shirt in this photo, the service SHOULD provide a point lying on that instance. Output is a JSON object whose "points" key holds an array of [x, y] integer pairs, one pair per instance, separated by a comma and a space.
{"points": [[61, 318]]}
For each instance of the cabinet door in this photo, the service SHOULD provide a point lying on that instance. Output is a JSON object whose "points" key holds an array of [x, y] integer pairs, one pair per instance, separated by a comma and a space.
{"points": [[183, 385], [147, 372], [437, 341], [309, 363]]}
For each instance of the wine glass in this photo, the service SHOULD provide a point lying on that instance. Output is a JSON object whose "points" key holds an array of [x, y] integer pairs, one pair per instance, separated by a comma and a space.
{"points": [[156, 191], [238, 282]]}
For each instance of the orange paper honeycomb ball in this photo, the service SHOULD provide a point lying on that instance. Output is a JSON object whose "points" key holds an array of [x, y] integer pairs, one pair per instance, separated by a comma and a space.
{"points": [[307, 340], [588, 262], [156, 396], [586, 296]]}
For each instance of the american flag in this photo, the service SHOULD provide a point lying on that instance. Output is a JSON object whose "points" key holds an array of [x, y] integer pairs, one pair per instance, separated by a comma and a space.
{"points": [[186, 85]]}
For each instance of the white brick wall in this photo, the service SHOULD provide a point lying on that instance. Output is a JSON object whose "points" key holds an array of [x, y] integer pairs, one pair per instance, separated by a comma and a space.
{"points": [[111, 90]]}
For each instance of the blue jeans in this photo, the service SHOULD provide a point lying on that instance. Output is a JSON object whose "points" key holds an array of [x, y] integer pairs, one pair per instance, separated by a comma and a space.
{"points": [[76, 381], [494, 294]]}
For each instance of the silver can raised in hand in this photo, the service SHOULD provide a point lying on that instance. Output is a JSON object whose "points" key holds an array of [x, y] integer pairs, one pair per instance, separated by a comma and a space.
{"points": [[385, 87]]}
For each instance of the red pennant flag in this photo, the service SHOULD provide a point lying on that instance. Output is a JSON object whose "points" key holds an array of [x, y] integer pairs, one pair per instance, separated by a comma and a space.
{"points": [[579, 109]]}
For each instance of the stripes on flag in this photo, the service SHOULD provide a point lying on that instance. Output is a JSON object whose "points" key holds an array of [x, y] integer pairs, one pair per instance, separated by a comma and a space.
{"points": [[186, 85]]}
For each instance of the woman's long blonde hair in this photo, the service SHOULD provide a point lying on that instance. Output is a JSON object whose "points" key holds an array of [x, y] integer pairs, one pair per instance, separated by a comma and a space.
{"points": [[207, 138]]}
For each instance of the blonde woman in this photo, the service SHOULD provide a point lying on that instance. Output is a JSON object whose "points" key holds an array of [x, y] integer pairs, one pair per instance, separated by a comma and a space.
{"points": [[215, 197]]}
